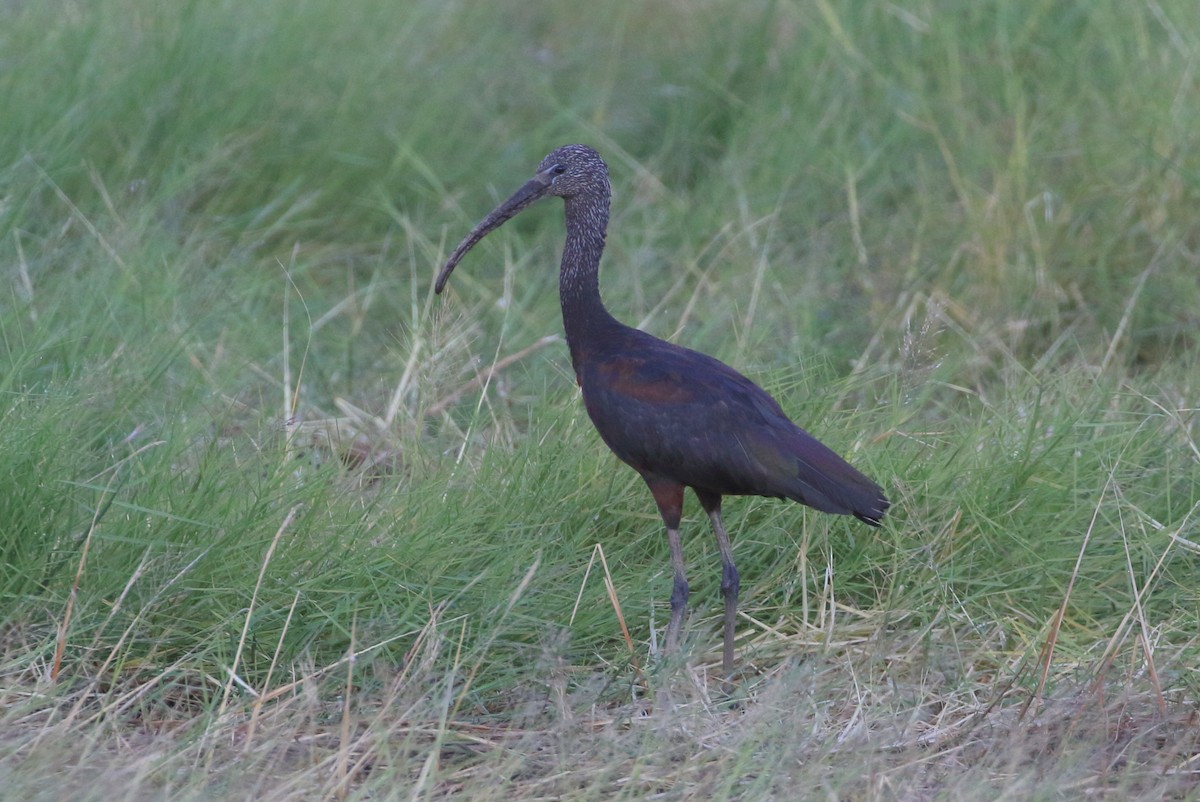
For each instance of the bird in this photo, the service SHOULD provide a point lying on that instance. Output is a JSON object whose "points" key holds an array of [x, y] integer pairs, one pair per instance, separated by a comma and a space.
{"points": [[680, 418]]}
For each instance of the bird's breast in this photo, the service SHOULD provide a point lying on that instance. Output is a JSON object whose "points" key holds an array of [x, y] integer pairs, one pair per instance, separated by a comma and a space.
{"points": [[642, 419]]}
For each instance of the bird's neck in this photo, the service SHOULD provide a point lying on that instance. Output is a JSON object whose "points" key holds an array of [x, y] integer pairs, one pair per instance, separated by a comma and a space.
{"points": [[584, 315]]}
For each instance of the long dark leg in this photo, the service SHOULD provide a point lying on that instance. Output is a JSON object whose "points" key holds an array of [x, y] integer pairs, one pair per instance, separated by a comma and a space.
{"points": [[669, 497], [731, 583]]}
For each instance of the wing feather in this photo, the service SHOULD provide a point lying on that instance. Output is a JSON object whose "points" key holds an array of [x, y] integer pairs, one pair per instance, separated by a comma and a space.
{"points": [[677, 413]]}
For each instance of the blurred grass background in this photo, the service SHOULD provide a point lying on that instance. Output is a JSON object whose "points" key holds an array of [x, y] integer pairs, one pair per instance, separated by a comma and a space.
{"points": [[242, 441]]}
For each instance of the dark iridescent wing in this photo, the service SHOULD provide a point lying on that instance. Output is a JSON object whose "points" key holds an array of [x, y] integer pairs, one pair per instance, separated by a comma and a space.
{"points": [[674, 412]]}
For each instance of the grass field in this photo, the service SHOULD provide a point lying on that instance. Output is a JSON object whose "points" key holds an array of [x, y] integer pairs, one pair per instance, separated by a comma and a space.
{"points": [[278, 523]]}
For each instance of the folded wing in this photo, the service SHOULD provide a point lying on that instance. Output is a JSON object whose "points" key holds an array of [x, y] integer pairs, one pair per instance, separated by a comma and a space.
{"points": [[677, 413]]}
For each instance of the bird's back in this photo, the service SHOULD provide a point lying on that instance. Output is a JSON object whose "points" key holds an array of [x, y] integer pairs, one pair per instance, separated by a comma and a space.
{"points": [[679, 414]]}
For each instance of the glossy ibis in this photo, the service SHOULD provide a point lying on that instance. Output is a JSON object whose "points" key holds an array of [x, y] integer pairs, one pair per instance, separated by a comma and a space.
{"points": [[676, 416]]}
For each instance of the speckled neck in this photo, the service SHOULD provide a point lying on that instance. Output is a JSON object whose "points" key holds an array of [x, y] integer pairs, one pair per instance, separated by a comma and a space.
{"points": [[584, 315]]}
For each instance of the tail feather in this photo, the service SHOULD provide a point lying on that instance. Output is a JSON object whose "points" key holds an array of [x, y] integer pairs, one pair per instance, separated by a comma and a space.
{"points": [[828, 483]]}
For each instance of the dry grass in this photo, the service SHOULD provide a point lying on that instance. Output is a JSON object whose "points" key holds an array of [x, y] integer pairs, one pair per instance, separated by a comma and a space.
{"points": [[881, 712]]}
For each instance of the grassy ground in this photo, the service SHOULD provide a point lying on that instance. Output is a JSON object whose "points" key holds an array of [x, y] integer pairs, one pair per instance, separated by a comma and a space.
{"points": [[275, 522]]}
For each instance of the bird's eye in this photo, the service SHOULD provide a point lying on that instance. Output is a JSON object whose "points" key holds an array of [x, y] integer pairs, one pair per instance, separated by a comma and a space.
{"points": [[558, 169]]}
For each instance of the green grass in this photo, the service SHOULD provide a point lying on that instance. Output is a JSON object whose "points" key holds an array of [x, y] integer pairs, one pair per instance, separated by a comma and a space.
{"points": [[277, 522]]}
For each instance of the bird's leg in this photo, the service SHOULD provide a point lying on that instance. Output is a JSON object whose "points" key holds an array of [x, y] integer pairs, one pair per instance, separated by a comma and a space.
{"points": [[668, 496], [679, 592], [730, 581]]}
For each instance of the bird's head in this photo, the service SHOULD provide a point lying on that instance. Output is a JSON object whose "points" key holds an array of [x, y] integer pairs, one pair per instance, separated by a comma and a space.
{"points": [[572, 170], [568, 172]]}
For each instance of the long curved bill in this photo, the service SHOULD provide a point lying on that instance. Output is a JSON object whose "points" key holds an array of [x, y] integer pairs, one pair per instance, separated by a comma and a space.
{"points": [[533, 189]]}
